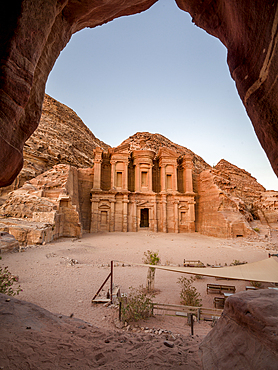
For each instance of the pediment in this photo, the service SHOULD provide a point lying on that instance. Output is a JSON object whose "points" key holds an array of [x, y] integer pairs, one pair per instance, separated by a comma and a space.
{"points": [[168, 153], [104, 206], [184, 207]]}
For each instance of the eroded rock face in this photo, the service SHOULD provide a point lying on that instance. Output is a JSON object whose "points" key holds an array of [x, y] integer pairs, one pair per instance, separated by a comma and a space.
{"points": [[246, 335], [46, 207], [8, 242], [61, 138], [267, 205], [231, 203], [34, 33]]}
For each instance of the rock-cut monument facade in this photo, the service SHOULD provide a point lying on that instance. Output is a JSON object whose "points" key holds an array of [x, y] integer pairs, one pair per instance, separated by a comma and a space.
{"points": [[137, 189]]}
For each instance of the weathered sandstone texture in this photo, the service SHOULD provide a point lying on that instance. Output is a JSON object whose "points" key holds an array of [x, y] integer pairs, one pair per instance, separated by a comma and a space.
{"points": [[34, 338], [51, 205], [229, 199], [61, 138], [34, 33], [8, 242], [246, 335], [267, 206], [146, 182]]}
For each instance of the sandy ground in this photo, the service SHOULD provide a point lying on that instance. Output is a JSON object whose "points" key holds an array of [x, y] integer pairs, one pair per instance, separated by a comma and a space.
{"points": [[50, 280]]}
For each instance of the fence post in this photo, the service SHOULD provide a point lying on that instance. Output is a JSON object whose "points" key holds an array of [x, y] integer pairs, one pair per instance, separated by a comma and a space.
{"points": [[120, 311], [111, 284], [191, 322]]}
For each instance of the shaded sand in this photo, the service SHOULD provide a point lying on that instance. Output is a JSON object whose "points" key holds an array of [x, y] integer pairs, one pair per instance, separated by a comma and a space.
{"points": [[32, 338], [50, 279]]}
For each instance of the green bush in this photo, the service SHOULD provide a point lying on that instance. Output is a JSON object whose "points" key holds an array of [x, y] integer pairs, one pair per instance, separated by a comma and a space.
{"points": [[6, 282], [137, 305], [189, 295], [151, 258], [256, 229]]}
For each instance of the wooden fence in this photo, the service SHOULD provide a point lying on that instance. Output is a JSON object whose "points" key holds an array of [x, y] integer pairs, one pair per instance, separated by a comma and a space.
{"points": [[201, 313]]}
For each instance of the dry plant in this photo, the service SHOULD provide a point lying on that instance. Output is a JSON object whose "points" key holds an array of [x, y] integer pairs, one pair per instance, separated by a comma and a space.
{"points": [[189, 295], [6, 282], [137, 305], [151, 258], [237, 262]]}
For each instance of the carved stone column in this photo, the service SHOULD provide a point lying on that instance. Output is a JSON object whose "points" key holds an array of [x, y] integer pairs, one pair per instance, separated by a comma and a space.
{"points": [[137, 177], [155, 215], [112, 215], [113, 185], [176, 215], [164, 213], [163, 178], [125, 175], [134, 218], [187, 174], [125, 219], [97, 168], [175, 180], [94, 216]]}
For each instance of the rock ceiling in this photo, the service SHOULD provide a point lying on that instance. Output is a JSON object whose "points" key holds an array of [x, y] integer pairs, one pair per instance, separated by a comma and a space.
{"points": [[33, 33]]}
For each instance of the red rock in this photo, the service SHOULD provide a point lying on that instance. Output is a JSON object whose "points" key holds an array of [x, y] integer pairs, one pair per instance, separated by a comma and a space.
{"points": [[34, 33], [246, 335]]}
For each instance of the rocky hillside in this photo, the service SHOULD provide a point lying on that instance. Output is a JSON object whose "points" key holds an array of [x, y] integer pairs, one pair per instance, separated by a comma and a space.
{"points": [[238, 184], [61, 138]]}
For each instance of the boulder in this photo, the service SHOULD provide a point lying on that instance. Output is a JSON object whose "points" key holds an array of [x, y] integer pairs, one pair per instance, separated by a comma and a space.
{"points": [[8, 242], [246, 335]]}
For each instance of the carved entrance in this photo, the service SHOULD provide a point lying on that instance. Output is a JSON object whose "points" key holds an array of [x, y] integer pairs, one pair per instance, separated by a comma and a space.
{"points": [[144, 217]]}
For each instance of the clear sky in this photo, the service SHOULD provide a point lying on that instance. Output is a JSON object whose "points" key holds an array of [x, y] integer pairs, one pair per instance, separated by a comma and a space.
{"points": [[157, 72]]}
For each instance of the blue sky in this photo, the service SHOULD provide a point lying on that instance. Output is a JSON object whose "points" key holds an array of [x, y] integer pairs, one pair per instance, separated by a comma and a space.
{"points": [[157, 72]]}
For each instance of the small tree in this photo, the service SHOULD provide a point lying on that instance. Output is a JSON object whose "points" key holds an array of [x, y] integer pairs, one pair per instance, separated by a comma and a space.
{"points": [[6, 282], [151, 258], [138, 305], [189, 295]]}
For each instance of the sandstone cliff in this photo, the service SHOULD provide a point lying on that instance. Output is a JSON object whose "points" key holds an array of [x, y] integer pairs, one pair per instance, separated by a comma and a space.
{"points": [[61, 138], [229, 201], [48, 206]]}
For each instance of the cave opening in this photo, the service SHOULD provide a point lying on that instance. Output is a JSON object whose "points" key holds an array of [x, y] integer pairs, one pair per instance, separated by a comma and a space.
{"points": [[137, 73]]}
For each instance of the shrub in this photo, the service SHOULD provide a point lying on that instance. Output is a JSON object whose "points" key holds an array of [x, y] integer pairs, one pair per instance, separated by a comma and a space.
{"points": [[256, 229], [256, 284], [6, 282], [151, 258], [137, 305], [189, 295], [237, 262]]}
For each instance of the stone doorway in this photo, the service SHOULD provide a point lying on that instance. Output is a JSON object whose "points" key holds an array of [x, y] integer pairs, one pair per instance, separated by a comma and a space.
{"points": [[144, 219]]}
